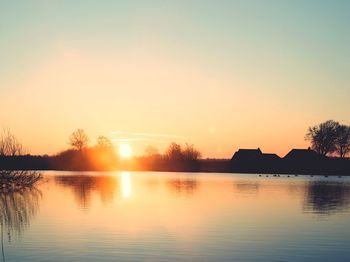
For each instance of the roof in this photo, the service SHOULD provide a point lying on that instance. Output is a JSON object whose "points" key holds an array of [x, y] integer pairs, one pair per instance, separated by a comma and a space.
{"points": [[299, 154], [247, 153], [270, 157]]}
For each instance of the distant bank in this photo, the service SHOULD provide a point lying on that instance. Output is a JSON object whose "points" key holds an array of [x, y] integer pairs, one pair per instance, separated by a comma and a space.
{"points": [[297, 161]]}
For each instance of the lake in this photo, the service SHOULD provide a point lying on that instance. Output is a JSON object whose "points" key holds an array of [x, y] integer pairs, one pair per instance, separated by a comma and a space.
{"points": [[154, 216]]}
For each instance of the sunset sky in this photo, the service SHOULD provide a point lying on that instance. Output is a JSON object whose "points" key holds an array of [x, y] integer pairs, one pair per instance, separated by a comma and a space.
{"points": [[221, 75]]}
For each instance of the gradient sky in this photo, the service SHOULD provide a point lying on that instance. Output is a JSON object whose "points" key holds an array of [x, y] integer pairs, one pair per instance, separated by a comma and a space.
{"points": [[222, 75]]}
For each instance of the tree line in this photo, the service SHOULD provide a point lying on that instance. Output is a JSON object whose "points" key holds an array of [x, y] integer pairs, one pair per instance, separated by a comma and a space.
{"points": [[329, 138], [103, 156]]}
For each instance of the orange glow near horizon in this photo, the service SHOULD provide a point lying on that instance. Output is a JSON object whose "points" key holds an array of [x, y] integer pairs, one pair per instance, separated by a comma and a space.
{"points": [[69, 74]]}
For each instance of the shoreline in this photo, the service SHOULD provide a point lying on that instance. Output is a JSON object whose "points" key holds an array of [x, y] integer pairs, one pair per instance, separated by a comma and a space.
{"points": [[323, 167], [260, 174]]}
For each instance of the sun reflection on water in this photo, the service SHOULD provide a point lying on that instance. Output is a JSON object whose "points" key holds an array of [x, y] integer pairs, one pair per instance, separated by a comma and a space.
{"points": [[125, 184]]}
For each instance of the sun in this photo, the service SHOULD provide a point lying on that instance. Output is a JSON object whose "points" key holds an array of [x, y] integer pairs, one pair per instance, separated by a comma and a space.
{"points": [[125, 150]]}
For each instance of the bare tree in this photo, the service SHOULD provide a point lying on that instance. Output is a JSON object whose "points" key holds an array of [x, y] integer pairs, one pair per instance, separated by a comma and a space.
{"points": [[190, 153], [104, 143], [79, 140], [9, 144], [323, 137], [343, 140], [174, 152]]}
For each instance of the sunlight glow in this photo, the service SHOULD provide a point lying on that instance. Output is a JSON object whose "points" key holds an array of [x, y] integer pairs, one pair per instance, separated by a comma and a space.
{"points": [[125, 184], [125, 150]]}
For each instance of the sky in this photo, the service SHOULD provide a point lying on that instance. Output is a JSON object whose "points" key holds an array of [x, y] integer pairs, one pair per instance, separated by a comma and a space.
{"points": [[221, 75]]}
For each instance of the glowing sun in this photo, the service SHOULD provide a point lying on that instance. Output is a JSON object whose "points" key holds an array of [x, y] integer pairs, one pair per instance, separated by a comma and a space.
{"points": [[125, 150]]}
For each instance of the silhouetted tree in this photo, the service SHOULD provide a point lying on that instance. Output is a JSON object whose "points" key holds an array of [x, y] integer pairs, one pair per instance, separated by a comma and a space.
{"points": [[78, 139], [190, 153], [9, 144], [323, 137], [103, 155], [174, 152], [104, 143], [342, 143]]}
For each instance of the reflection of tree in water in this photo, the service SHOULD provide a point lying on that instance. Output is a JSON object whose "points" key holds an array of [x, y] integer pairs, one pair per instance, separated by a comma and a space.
{"points": [[19, 202], [187, 186], [83, 186], [327, 197], [247, 187], [17, 208]]}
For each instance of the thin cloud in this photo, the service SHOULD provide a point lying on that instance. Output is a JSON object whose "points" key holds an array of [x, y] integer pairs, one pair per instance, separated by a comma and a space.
{"points": [[143, 134], [132, 139], [124, 136], [159, 135]]}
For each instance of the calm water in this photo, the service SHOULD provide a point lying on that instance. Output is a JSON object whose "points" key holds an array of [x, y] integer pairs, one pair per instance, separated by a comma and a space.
{"points": [[131, 216]]}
